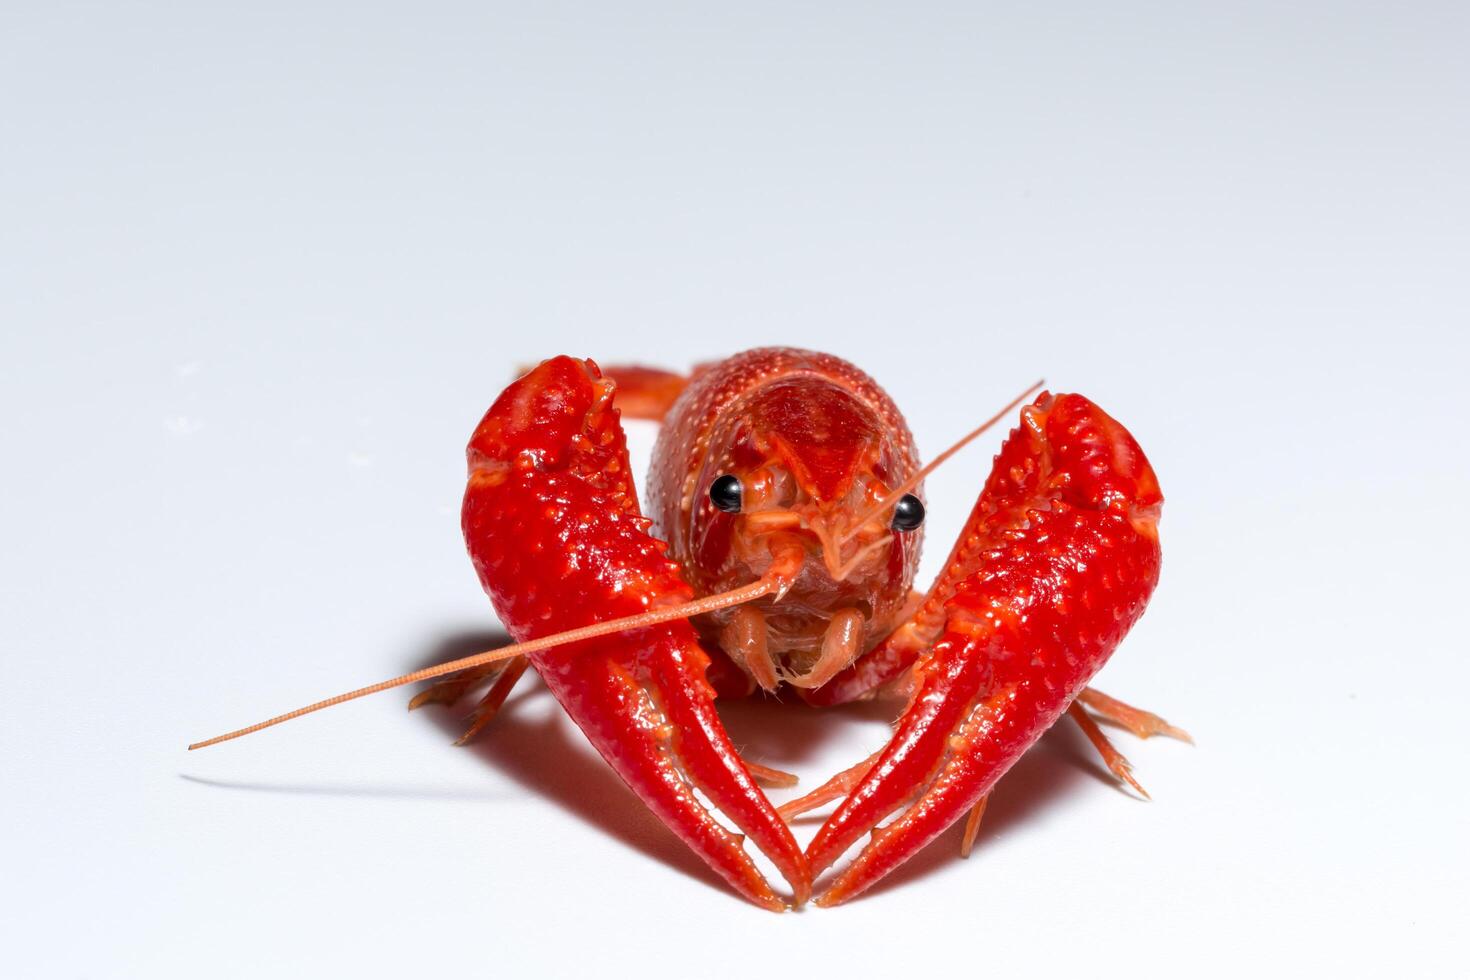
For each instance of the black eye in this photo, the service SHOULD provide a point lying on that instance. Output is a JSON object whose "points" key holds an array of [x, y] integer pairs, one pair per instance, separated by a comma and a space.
{"points": [[724, 493], [908, 513]]}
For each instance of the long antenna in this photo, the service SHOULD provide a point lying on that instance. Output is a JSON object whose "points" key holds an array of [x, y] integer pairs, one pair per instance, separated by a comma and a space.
{"points": [[722, 600], [914, 480]]}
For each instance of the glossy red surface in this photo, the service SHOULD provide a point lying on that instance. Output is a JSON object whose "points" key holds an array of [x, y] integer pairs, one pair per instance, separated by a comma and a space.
{"points": [[1061, 556], [554, 531], [1057, 560], [843, 443]]}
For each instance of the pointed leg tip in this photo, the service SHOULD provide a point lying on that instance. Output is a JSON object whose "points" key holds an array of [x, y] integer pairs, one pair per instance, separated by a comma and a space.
{"points": [[768, 776], [1159, 726], [1143, 724], [1127, 777], [798, 807], [471, 733], [1122, 771], [432, 695]]}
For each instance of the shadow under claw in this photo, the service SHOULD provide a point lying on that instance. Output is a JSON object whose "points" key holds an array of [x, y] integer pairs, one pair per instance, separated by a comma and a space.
{"points": [[787, 733], [548, 757], [1057, 768], [552, 760]]}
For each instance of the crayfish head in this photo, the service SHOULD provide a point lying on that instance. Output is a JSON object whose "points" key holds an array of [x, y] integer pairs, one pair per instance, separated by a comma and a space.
{"points": [[788, 487]]}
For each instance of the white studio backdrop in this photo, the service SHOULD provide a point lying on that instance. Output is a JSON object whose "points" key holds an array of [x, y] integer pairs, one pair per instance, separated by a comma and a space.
{"points": [[262, 269]]}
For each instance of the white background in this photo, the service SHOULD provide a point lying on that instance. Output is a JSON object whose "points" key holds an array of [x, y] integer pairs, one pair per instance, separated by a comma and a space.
{"points": [[262, 267]]}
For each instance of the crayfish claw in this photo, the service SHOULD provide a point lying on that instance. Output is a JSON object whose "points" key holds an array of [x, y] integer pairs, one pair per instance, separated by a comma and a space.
{"points": [[1053, 575], [553, 526]]}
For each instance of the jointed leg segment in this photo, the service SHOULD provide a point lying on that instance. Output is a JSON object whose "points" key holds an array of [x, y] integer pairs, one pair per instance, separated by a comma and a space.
{"points": [[453, 688], [836, 788], [489, 706], [1115, 760], [972, 825], [1144, 724]]}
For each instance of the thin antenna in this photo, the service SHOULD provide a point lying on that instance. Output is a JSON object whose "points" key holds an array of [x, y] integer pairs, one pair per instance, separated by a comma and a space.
{"points": [[722, 600], [914, 480]]}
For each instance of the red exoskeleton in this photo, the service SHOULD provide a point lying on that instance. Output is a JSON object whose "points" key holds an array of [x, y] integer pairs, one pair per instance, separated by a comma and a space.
{"points": [[785, 517]]}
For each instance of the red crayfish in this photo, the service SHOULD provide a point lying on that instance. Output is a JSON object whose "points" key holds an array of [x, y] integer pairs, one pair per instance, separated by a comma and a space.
{"points": [[785, 518]]}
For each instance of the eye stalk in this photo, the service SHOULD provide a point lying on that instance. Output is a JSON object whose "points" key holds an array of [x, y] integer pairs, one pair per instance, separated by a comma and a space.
{"points": [[725, 493], [908, 513]]}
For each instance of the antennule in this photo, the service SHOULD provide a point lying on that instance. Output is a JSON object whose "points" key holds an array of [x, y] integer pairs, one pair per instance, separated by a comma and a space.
{"points": [[722, 600], [913, 481]]}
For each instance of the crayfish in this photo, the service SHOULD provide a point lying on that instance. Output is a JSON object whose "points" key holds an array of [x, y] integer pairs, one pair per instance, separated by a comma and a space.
{"points": [[785, 516]]}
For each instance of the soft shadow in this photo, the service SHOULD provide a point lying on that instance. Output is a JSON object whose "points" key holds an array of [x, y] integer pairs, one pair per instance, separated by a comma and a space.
{"points": [[788, 733], [374, 792], [552, 759], [1059, 766], [461, 645]]}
